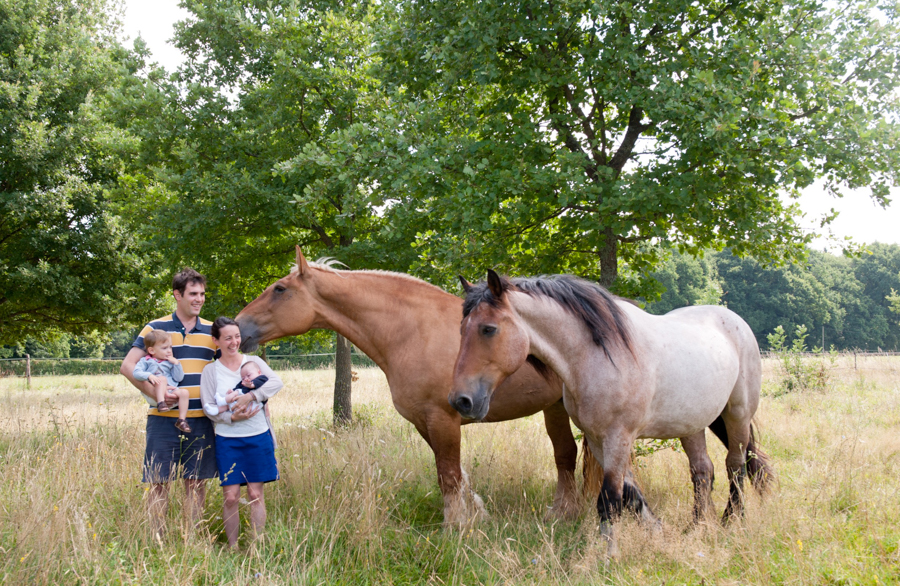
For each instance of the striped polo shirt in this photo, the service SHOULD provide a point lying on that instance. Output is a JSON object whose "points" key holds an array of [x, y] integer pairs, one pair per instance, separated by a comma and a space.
{"points": [[194, 349]]}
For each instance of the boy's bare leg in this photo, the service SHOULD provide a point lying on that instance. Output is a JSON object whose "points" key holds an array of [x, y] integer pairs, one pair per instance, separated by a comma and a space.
{"points": [[183, 400], [160, 390]]}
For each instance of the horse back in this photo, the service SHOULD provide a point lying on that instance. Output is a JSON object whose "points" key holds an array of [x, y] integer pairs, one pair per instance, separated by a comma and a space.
{"points": [[698, 360]]}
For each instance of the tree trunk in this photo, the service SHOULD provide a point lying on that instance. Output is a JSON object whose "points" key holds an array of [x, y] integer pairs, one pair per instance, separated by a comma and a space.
{"points": [[609, 261], [343, 381]]}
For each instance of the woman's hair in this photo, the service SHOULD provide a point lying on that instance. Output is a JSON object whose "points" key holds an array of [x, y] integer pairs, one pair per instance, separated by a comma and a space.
{"points": [[221, 323], [155, 337]]}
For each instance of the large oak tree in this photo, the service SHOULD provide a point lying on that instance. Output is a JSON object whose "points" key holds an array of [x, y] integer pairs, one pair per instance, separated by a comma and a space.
{"points": [[567, 135]]}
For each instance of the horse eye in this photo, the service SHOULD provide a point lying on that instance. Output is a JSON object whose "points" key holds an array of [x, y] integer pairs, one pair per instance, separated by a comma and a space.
{"points": [[488, 330], [279, 289]]}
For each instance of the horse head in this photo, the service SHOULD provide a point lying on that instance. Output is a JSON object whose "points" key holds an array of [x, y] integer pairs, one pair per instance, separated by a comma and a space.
{"points": [[494, 345], [285, 308]]}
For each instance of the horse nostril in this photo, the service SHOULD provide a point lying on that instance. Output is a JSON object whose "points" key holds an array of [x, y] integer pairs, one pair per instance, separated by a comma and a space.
{"points": [[463, 404]]}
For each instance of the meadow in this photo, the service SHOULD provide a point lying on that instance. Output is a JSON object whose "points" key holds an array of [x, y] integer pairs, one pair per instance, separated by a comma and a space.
{"points": [[361, 505]]}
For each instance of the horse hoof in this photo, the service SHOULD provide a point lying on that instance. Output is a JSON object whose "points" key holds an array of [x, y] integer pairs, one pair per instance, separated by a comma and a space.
{"points": [[562, 512]]}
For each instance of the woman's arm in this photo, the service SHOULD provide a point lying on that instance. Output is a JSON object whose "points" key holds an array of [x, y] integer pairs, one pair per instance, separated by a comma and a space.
{"points": [[208, 395], [272, 386], [266, 391]]}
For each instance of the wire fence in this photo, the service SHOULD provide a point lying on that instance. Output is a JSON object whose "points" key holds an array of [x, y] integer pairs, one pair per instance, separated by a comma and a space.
{"points": [[29, 366]]}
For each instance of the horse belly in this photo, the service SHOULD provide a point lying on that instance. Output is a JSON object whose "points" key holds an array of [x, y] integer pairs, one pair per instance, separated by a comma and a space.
{"points": [[690, 397]]}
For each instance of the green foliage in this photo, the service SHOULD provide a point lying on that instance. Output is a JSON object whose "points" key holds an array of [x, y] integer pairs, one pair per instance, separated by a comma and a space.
{"points": [[894, 300], [800, 372], [67, 262], [254, 145], [687, 280], [562, 137]]}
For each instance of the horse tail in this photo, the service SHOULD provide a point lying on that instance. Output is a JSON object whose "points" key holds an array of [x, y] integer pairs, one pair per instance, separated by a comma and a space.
{"points": [[759, 464]]}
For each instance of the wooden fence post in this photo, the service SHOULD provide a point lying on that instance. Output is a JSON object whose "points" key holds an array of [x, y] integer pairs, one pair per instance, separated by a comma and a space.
{"points": [[28, 370]]}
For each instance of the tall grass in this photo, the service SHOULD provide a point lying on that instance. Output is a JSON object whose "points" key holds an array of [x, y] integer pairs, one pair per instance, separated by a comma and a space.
{"points": [[361, 505]]}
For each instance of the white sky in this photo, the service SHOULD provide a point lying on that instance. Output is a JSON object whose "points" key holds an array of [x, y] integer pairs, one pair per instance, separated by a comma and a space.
{"points": [[860, 218]]}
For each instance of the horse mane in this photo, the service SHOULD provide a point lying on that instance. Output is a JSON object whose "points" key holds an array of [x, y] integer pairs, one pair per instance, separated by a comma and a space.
{"points": [[592, 303], [328, 264]]}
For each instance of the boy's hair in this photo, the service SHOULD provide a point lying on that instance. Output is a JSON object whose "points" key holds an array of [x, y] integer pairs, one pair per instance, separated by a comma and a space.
{"points": [[251, 364], [187, 276], [155, 337]]}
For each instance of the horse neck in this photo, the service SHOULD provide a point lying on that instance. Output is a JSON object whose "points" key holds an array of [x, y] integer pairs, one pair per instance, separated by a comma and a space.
{"points": [[382, 313], [558, 338]]}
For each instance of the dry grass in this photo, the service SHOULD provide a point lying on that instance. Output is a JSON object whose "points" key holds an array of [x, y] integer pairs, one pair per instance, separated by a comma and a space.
{"points": [[361, 505]]}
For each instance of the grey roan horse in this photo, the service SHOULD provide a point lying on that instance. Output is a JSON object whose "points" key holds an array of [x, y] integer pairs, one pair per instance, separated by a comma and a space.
{"points": [[627, 375]]}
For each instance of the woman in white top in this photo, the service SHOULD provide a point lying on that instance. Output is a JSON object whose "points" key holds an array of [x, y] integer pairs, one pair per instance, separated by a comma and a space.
{"points": [[245, 445]]}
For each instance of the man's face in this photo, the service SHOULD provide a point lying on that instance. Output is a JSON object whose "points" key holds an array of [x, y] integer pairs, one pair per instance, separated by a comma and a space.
{"points": [[192, 301]]}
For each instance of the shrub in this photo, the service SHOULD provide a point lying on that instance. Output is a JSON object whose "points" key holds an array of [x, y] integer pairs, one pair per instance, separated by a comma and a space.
{"points": [[801, 370]]}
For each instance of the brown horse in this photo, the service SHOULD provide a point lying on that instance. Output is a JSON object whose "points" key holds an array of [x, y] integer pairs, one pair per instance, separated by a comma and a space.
{"points": [[411, 330], [627, 375]]}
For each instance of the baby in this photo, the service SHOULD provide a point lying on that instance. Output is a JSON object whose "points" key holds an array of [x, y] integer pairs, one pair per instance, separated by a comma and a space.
{"points": [[163, 370], [251, 378]]}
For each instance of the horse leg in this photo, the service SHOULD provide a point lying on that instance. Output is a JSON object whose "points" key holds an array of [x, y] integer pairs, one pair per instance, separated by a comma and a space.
{"points": [[442, 432], [633, 500], [565, 452], [616, 458], [702, 473], [735, 464]]}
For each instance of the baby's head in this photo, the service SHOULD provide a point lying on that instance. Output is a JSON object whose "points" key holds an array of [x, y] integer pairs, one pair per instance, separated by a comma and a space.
{"points": [[249, 371], [158, 344]]}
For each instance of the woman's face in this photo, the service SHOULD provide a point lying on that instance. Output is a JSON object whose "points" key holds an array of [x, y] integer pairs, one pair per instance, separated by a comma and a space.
{"points": [[229, 340]]}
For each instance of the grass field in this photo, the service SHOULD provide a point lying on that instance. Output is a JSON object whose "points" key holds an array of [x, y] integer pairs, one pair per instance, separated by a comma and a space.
{"points": [[361, 505]]}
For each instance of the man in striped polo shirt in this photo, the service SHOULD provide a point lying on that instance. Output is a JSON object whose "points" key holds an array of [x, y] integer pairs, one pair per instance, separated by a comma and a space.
{"points": [[170, 452]]}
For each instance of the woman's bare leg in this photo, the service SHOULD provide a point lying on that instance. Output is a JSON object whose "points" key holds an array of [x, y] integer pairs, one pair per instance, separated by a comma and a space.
{"points": [[257, 508], [230, 513]]}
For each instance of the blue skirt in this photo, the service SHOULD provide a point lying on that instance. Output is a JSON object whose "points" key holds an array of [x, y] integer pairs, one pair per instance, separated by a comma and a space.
{"points": [[246, 459]]}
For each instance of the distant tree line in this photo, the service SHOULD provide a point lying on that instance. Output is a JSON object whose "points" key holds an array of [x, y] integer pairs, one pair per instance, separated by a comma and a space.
{"points": [[853, 301]]}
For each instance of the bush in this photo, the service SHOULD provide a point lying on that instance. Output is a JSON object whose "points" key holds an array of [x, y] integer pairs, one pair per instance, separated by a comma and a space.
{"points": [[801, 370]]}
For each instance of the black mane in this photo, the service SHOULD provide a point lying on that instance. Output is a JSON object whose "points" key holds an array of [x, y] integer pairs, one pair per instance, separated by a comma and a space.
{"points": [[589, 301]]}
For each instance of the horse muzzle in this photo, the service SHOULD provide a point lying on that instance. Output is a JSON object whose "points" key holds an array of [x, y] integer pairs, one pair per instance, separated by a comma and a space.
{"points": [[250, 334], [474, 403]]}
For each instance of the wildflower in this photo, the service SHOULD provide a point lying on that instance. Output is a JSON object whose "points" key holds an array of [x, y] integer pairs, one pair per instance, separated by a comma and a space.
{"points": [[800, 545]]}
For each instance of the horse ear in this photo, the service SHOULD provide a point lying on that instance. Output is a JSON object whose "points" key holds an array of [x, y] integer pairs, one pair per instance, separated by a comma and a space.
{"points": [[467, 286], [302, 266], [494, 284]]}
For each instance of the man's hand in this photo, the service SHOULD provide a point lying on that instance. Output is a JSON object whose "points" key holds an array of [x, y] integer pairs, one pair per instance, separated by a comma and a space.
{"points": [[171, 397]]}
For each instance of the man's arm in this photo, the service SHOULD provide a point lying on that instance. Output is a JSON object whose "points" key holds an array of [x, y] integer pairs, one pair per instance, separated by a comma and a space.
{"points": [[127, 370]]}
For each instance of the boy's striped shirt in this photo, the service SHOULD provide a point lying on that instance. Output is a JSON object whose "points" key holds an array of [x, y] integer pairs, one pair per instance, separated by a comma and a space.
{"points": [[194, 349]]}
